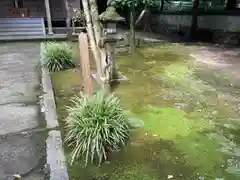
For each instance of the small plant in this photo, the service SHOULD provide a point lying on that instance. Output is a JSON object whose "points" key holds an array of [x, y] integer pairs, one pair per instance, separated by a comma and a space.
{"points": [[95, 126], [78, 16], [58, 56]]}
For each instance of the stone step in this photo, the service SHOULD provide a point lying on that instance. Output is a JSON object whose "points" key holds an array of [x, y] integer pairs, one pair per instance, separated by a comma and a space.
{"points": [[18, 25], [17, 33], [20, 20], [22, 29], [22, 37]]}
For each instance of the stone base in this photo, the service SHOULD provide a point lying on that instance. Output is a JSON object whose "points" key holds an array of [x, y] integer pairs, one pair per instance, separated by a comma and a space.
{"points": [[121, 78]]}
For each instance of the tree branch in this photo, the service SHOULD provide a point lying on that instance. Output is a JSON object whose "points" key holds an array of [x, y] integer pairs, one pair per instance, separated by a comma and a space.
{"points": [[144, 11]]}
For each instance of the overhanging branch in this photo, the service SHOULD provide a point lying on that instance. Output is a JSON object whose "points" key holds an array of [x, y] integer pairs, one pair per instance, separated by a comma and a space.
{"points": [[144, 11]]}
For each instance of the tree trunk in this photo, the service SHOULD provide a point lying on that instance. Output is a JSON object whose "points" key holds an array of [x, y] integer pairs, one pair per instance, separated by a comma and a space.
{"points": [[98, 33], [132, 29], [91, 36], [230, 4], [95, 21], [194, 24], [68, 20]]}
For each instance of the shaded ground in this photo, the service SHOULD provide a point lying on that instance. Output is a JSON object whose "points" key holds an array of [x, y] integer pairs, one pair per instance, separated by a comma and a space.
{"points": [[190, 113], [22, 149], [223, 62], [218, 57]]}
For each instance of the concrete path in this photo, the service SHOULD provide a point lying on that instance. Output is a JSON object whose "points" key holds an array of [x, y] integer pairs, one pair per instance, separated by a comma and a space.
{"points": [[22, 147]]}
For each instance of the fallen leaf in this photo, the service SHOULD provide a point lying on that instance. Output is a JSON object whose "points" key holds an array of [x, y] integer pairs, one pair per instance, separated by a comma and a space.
{"points": [[170, 176]]}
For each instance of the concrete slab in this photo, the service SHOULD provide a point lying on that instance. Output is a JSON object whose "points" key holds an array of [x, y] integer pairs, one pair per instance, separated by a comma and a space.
{"points": [[17, 118], [17, 92], [22, 153]]}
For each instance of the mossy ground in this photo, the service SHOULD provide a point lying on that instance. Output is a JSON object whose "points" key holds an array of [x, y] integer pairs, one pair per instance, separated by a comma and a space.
{"points": [[184, 119]]}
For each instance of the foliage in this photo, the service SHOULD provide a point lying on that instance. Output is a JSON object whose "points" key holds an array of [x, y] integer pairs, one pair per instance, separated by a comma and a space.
{"points": [[58, 56], [96, 124], [128, 3], [134, 7], [78, 16]]}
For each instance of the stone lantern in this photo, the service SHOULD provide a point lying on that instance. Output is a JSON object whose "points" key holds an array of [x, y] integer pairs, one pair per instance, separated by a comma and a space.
{"points": [[109, 39], [109, 19]]}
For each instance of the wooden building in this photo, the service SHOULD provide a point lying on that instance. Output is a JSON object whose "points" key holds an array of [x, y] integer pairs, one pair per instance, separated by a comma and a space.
{"points": [[29, 19]]}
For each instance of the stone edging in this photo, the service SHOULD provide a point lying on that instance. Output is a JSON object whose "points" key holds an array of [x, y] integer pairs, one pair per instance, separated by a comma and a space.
{"points": [[56, 163]]}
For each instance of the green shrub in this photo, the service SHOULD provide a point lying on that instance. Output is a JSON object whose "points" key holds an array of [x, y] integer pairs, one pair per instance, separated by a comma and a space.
{"points": [[58, 56], [96, 125]]}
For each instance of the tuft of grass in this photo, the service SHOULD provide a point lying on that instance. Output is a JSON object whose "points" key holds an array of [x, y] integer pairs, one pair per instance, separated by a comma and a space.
{"points": [[96, 124], [58, 56]]}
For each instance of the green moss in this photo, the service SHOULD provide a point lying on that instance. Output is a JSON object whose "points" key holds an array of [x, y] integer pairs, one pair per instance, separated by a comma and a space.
{"points": [[133, 173], [106, 171], [66, 82], [174, 140], [187, 132], [177, 71], [185, 129], [198, 149], [169, 123]]}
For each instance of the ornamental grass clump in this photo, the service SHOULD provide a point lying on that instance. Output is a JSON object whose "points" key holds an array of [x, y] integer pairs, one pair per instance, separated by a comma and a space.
{"points": [[58, 56], [95, 126]]}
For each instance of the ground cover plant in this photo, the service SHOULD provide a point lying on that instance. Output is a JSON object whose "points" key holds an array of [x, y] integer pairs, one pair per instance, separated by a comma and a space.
{"points": [[96, 125], [58, 56]]}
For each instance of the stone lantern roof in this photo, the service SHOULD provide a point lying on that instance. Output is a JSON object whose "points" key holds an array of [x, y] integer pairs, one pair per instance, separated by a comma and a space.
{"points": [[110, 15]]}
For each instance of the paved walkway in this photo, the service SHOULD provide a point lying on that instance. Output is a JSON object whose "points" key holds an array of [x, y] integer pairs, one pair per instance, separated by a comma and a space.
{"points": [[22, 148]]}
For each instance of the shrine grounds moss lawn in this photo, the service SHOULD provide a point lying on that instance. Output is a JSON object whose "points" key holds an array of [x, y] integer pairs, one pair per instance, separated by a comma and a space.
{"points": [[181, 113]]}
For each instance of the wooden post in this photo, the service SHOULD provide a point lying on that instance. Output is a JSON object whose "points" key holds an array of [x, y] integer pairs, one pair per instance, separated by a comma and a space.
{"points": [[85, 63], [49, 19], [68, 19], [132, 29]]}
